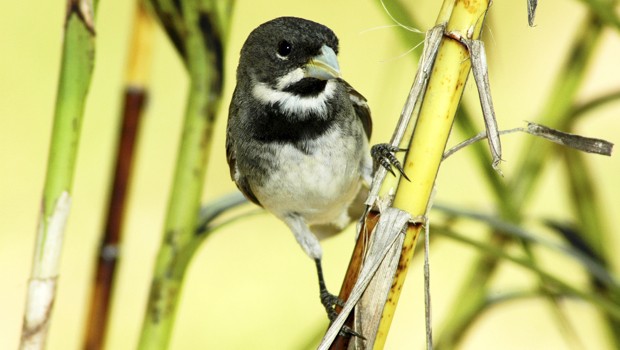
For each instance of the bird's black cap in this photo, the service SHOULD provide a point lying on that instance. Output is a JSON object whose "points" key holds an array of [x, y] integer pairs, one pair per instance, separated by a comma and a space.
{"points": [[297, 38]]}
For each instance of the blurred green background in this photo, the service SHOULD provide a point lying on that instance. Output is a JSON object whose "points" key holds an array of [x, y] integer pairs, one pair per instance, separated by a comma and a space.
{"points": [[250, 286]]}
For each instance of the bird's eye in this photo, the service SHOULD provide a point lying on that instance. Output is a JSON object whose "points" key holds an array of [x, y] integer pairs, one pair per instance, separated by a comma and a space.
{"points": [[284, 48]]}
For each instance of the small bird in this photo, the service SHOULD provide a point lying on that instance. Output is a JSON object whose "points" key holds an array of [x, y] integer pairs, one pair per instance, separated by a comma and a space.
{"points": [[297, 135]]}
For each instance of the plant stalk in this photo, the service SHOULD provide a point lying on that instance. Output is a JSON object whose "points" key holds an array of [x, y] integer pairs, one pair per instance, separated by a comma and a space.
{"points": [[75, 76], [202, 37], [432, 130], [135, 99]]}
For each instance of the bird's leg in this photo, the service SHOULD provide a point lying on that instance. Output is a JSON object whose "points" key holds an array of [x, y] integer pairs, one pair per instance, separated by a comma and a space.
{"points": [[383, 154], [330, 301]]}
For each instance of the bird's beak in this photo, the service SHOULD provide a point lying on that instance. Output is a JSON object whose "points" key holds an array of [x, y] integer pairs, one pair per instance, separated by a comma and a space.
{"points": [[323, 66]]}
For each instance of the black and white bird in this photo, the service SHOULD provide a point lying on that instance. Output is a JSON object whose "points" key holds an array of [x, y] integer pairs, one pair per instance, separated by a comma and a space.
{"points": [[297, 135]]}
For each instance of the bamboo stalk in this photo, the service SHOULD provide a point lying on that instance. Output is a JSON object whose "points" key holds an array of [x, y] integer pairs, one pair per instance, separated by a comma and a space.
{"points": [[75, 76], [135, 98], [432, 130], [426, 143], [204, 29]]}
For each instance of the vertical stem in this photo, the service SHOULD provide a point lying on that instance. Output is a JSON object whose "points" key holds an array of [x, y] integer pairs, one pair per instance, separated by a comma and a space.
{"points": [[432, 130], [180, 221], [459, 19], [204, 59], [353, 271], [134, 101], [75, 75]]}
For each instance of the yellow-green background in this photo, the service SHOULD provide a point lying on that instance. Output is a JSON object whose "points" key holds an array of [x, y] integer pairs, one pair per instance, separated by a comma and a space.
{"points": [[250, 286]]}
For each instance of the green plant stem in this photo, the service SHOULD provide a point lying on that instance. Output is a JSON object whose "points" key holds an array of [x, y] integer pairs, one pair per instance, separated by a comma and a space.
{"points": [[606, 10], [75, 76], [202, 43]]}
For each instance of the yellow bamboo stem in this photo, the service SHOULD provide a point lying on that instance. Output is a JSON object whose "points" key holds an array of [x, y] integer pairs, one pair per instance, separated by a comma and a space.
{"points": [[463, 19]]}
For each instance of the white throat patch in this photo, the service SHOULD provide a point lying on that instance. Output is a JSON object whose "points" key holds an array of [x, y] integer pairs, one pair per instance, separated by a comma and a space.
{"points": [[290, 78], [291, 103]]}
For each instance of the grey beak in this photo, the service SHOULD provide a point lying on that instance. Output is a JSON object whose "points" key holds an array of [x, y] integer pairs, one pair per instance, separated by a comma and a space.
{"points": [[324, 66]]}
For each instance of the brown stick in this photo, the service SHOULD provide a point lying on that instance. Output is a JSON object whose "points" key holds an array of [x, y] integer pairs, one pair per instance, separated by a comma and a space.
{"points": [[108, 253], [135, 98], [353, 271]]}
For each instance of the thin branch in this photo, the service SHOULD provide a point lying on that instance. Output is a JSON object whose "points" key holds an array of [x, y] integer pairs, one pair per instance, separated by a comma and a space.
{"points": [[580, 143]]}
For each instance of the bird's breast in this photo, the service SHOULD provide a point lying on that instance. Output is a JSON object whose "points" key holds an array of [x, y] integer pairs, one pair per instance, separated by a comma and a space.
{"points": [[317, 181]]}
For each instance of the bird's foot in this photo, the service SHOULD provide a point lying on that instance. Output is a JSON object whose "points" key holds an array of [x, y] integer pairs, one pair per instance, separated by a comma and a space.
{"points": [[383, 154], [330, 302]]}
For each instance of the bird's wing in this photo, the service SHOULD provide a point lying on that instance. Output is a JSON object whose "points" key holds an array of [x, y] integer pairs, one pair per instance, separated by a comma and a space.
{"points": [[361, 108], [239, 179]]}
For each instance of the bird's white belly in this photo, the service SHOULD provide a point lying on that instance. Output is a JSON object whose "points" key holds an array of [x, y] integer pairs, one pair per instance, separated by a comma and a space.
{"points": [[318, 186]]}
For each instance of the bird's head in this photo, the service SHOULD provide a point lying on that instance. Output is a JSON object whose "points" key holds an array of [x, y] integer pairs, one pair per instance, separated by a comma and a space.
{"points": [[290, 54]]}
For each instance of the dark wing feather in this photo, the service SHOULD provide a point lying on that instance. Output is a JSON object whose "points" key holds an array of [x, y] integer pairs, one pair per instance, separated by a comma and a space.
{"points": [[361, 108], [231, 158]]}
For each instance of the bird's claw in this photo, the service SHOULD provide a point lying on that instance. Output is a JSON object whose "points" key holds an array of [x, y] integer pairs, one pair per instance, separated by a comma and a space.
{"points": [[383, 154], [330, 302]]}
